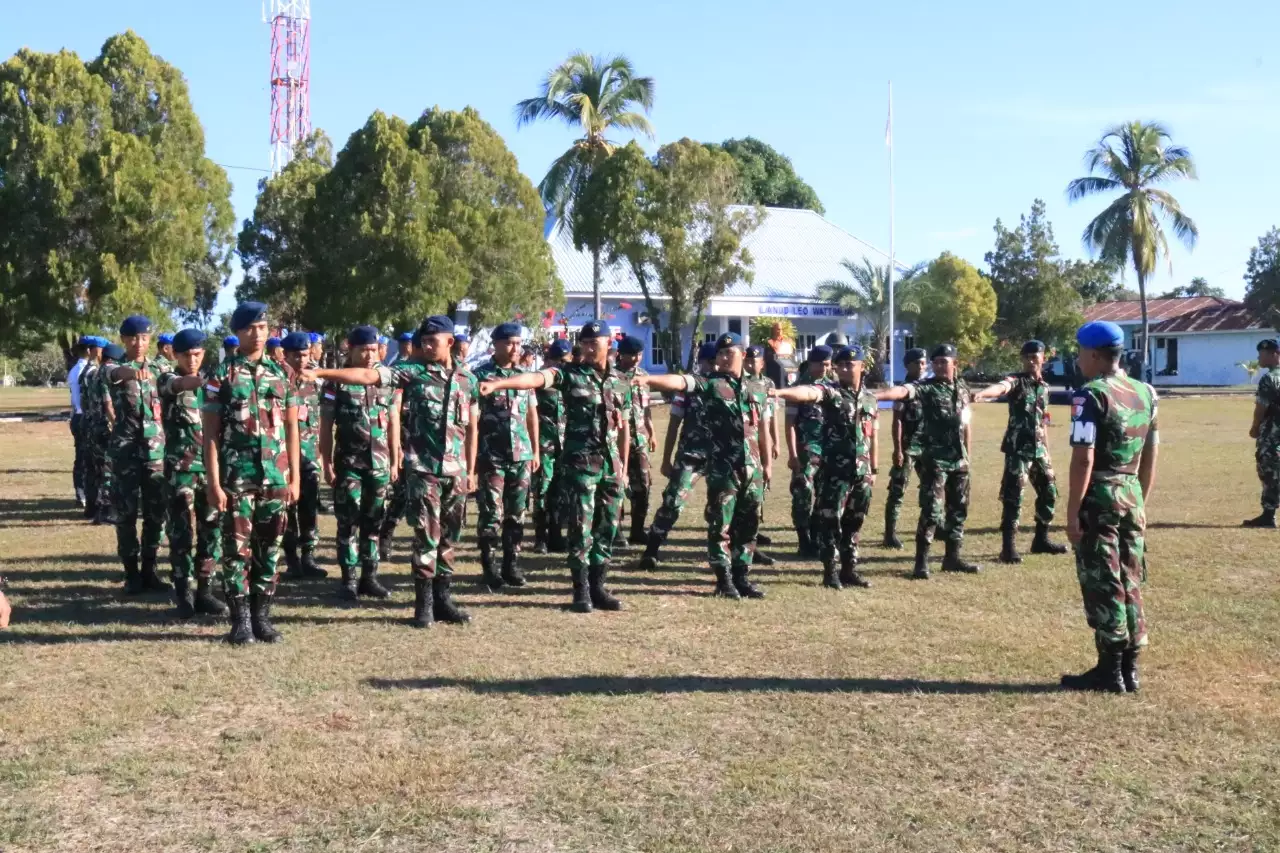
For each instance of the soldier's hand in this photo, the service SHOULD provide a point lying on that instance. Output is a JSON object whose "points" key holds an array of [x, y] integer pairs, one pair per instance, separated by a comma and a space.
{"points": [[775, 453], [395, 471], [537, 463], [667, 470], [1253, 433], [216, 497], [328, 473], [897, 458], [295, 490], [1074, 531], [5, 611], [486, 388], [653, 445], [794, 463], [767, 472], [871, 478], [473, 482], [307, 374]]}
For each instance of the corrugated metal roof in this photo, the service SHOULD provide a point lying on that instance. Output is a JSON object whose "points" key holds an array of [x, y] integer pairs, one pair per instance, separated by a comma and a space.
{"points": [[1221, 318], [793, 250], [1158, 310]]}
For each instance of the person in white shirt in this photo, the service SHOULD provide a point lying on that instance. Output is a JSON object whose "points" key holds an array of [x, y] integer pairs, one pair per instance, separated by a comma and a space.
{"points": [[86, 349]]}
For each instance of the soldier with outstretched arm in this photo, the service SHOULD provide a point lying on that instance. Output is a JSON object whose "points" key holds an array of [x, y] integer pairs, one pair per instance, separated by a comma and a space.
{"points": [[906, 448]]}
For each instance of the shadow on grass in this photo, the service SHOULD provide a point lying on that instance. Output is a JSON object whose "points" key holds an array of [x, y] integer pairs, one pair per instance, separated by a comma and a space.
{"points": [[13, 637], [630, 685], [40, 509]]}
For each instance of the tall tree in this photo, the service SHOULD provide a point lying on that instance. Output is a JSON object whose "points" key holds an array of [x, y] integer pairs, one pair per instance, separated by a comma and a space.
{"points": [[958, 306], [867, 293], [766, 176], [1262, 278], [1134, 159], [1034, 296], [1198, 287], [594, 95], [1097, 281]]}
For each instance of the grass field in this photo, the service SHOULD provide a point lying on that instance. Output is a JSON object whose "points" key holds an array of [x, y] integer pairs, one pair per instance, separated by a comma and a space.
{"points": [[41, 400], [909, 717]]}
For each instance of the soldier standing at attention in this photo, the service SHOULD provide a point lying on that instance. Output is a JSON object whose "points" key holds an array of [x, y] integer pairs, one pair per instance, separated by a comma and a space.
{"points": [[461, 347], [506, 460], [1026, 453], [302, 531], [251, 458], [733, 410], [90, 427], [596, 446], [546, 480], [317, 348], [97, 394], [850, 460], [640, 423], [753, 370], [164, 347], [804, 449], [361, 466], [944, 459], [689, 437], [404, 349], [194, 540], [1265, 431], [1114, 438], [137, 458], [906, 448], [82, 352], [398, 499]]}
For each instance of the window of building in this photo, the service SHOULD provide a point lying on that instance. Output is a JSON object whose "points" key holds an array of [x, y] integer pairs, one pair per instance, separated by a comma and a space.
{"points": [[1169, 364], [710, 337], [735, 325], [657, 356], [908, 342], [804, 343]]}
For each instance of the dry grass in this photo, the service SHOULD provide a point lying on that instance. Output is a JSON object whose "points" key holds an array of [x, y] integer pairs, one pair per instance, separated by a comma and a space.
{"points": [[37, 400], [914, 716]]}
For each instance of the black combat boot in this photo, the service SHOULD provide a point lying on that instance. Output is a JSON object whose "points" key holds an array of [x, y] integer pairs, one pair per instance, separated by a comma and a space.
{"points": [[601, 598], [445, 608], [762, 559], [133, 578], [639, 511], [368, 585], [384, 546], [347, 586], [423, 612], [763, 539], [1105, 677], [1129, 669], [182, 597], [539, 532], [743, 585], [511, 574], [488, 576], [951, 561], [1041, 544], [555, 533], [921, 572], [293, 568], [1008, 545], [205, 603], [151, 581], [891, 539], [724, 585], [649, 561], [830, 575], [1267, 519], [808, 545], [307, 565], [849, 574], [581, 591], [241, 627], [260, 618]]}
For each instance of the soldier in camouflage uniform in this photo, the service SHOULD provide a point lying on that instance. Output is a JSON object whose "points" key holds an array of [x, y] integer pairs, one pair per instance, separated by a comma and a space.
{"points": [[944, 459], [251, 459], [1026, 453], [753, 371], [804, 448], [195, 535], [362, 464], [90, 422], [596, 446], [906, 448], [507, 458], [399, 497], [689, 437], [302, 533], [1265, 431], [102, 422], [137, 458], [640, 423], [546, 480], [164, 359], [1114, 438], [850, 459], [738, 472], [275, 350]]}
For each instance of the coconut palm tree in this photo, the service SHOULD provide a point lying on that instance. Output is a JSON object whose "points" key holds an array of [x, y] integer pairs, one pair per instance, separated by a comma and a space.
{"points": [[1133, 159], [593, 95], [868, 296]]}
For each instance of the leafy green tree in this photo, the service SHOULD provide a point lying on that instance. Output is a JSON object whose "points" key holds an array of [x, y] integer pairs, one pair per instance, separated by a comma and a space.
{"points": [[1198, 287], [767, 177], [1262, 278], [1097, 281], [44, 365], [1134, 159], [594, 95], [867, 293], [958, 306]]}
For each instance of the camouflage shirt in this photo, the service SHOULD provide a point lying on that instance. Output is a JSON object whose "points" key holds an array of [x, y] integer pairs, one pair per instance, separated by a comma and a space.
{"points": [[550, 420], [1116, 416], [504, 419], [850, 417], [1268, 396], [183, 427], [139, 427], [308, 397], [695, 439], [362, 414], [732, 409], [909, 413], [641, 400], [944, 413], [595, 404], [252, 399], [764, 385], [438, 406], [90, 402], [1026, 436], [806, 418]]}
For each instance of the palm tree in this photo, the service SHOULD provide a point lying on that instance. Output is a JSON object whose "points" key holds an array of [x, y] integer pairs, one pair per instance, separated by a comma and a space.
{"points": [[593, 95], [1132, 159], [868, 296]]}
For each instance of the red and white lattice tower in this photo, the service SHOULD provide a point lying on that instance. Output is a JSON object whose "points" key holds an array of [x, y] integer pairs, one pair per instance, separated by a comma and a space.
{"points": [[290, 76]]}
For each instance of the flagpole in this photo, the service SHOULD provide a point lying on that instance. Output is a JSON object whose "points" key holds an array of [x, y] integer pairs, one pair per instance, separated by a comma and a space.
{"points": [[889, 139]]}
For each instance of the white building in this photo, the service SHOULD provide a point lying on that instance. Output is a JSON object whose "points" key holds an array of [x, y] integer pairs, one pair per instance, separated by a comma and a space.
{"points": [[1199, 340]]}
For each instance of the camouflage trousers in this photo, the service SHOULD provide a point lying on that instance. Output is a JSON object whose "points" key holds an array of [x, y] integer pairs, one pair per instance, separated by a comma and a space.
{"points": [[101, 482], [942, 489], [639, 486], [843, 505], [1040, 472], [803, 487], [302, 530], [733, 517], [1111, 562], [592, 495], [82, 451], [252, 528], [434, 509], [502, 502], [899, 479], [545, 489], [359, 503], [397, 504], [195, 545], [1268, 458], [684, 477], [139, 489]]}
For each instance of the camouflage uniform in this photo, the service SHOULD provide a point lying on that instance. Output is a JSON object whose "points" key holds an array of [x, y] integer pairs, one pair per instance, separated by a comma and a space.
{"points": [[1116, 416], [689, 465], [806, 419], [639, 476], [302, 530], [1026, 450], [504, 460], [763, 385], [908, 414], [1267, 447], [194, 539], [252, 400], [102, 449], [137, 461], [93, 432], [546, 480], [944, 458], [850, 418]]}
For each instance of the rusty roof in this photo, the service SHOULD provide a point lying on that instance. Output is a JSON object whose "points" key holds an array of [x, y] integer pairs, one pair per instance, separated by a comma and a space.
{"points": [[1158, 310], [1221, 318]]}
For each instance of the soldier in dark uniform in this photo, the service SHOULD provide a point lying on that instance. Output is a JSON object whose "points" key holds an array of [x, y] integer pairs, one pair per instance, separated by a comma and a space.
{"points": [[804, 449], [1265, 431], [546, 480], [906, 448], [753, 370]]}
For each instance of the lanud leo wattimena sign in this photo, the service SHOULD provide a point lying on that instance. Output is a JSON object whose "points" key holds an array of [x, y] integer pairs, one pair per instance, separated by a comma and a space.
{"points": [[723, 308]]}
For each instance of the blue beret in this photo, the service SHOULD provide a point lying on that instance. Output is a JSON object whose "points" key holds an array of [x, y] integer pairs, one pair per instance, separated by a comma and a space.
{"points": [[1269, 345], [852, 352], [819, 354], [86, 341], [943, 351], [913, 354], [707, 352], [755, 351], [187, 340], [315, 337], [461, 338], [135, 325], [231, 341], [1098, 334], [437, 325], [594, 329], [115, 352], [383, 339], [505, 332], [273, 342], [630, 346], [246, 314], [405, 337], [296, 342], [560, 347], [728, 340], [165, 338], [362, 336], [1032, 347]]}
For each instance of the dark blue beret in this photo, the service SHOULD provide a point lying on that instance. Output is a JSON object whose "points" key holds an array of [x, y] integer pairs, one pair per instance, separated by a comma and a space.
{"points": [[1032, 347], [187, 340], [1100, 333], [102, 342], [819, 354], [943, 351], [273, 342], [728, 340], [405, 337], [913, 354], [755, 351], [383, 339], [1269, 345], [315, 337], [852, 352], [630, 346], [114, 352], [362, 336], [560, 347], [707, 352], [165, 337], [86, 341], [231, 341], [437, 325], [135, 325], [246, 314], [594, 329], [505, 332], [296, 342], [461, 338]]}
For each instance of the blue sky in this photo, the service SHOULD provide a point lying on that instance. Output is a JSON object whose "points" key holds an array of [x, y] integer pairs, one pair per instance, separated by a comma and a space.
{"points": [[994, 102]]}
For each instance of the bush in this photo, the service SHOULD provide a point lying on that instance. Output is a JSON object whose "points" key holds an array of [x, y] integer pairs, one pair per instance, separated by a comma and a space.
{"points": [[45, 366]]}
